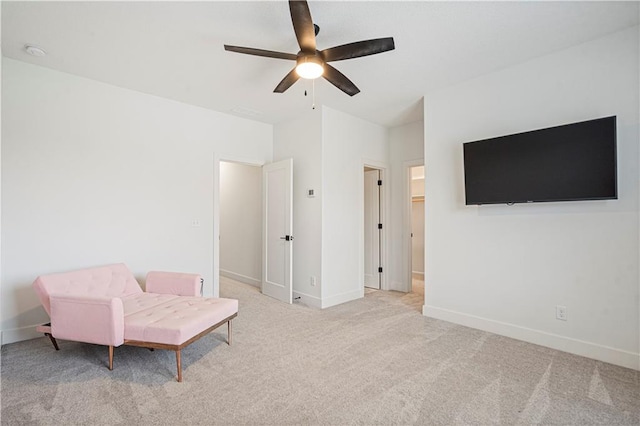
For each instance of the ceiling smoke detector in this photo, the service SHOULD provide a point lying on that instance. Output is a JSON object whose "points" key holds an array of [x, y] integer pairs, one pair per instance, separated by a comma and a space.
{"points": [[34, 50]]}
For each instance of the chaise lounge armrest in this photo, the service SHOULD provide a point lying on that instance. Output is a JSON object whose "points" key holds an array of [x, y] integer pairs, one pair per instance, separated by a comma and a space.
{"points": [[86, 318], [175, 283]]}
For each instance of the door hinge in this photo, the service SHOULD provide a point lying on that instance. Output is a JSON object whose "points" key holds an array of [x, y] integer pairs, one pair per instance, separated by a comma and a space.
{"points": [[379, 226], [380, 269], [379, 182]]}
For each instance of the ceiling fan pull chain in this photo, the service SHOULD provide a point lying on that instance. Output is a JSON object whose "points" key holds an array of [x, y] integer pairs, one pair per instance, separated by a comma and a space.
{"points": [[313, 92]]}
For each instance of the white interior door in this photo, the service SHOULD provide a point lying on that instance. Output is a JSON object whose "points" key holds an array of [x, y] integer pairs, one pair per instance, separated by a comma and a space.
{"points": [[371, 231], [277, 181]]}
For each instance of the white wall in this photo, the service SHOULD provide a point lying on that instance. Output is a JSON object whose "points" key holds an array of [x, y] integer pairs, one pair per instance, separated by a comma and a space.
{"points": [[406, 148], [241, 222], [94, 174], [302, 140], [504, 269], [1, 60], [347, 144]]}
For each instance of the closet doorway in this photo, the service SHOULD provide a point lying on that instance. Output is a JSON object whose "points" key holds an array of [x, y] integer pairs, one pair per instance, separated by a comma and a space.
{"points": [[416, 176]]}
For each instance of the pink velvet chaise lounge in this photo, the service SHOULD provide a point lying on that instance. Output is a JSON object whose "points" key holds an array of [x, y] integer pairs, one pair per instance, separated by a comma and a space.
{"points": [[106, 306]]}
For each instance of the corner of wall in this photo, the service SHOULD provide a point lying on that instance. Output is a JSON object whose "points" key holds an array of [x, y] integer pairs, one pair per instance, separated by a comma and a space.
{"points": [[307, 299], [342, 298]]}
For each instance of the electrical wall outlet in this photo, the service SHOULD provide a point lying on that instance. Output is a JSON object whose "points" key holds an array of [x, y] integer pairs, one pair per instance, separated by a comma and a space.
{"points": [[312, 281], [561, 312]]}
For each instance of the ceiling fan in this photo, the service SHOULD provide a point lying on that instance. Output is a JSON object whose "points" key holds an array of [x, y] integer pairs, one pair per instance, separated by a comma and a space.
{"points": [[312, 63]]}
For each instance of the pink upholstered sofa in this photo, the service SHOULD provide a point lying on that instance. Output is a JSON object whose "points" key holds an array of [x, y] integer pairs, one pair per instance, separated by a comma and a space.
{"points": [[105, 305]]}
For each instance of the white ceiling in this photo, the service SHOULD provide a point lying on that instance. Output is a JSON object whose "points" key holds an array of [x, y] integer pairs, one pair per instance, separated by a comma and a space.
{"points": [[175, 49]]}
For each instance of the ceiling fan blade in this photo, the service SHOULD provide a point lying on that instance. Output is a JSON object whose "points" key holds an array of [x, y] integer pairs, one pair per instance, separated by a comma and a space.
{"points": [[303, 25], [260, 52], [339, 80], [287, 81], [358, 49]]}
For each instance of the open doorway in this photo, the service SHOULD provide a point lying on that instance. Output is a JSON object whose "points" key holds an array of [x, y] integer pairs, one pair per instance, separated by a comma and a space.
{"points": [[416, 184], [253, 208], [241, 222]]}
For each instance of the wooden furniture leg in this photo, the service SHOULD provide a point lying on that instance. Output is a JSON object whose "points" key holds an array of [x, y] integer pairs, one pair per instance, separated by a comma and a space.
{"points": [[110, 357], [178, 348], [179, 362]]}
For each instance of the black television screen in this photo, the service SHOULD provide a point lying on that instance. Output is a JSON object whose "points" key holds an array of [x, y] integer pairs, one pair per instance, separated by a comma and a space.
{"points": [[565, 163]]}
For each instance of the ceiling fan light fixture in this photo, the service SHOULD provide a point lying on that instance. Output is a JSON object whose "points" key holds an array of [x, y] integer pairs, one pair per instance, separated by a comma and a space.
{"points": [[309, 67]]}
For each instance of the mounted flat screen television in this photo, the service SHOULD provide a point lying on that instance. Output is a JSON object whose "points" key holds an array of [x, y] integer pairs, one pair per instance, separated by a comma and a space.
{"points": [[565, 163]]}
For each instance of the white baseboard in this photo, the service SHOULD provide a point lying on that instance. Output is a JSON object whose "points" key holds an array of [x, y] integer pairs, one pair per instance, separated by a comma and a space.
{"points": [[242, 278], [307, 299], [342, 298], [19, 334], [550, 340]]}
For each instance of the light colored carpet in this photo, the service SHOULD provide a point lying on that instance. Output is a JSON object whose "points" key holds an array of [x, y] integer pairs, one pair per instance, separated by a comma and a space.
{"points": [[372, 361]]}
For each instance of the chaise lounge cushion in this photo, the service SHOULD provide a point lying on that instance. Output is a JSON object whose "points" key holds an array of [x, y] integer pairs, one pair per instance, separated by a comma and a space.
{"points": [[176, 320], [143, 301]]}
